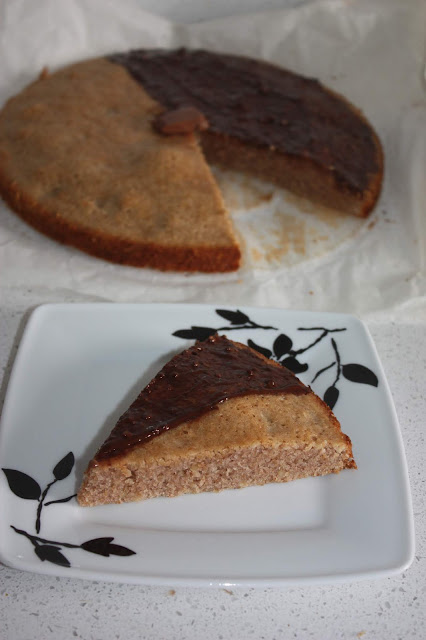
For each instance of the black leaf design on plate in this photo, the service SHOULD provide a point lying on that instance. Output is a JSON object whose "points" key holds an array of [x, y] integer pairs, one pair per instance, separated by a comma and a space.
{"points": [[22, 485], [234, 317], [294, 365], [237, 320], [195, 333], [282, 345], [265, 352], [64, 467], [61, 500], [103, 547], [331, 396], [51, 554], [359, 373]]}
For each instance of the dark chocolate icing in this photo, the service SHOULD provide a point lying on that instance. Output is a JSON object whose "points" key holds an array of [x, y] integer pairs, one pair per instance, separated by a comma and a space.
{"points": [[262, 105], [193, 383]]}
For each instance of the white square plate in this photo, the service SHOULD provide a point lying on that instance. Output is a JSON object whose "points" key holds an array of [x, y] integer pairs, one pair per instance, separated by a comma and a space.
{"points": [[78, 368]]}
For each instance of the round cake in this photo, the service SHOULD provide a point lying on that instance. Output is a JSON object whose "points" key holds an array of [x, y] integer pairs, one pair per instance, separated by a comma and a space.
{"points": [[86, 159]]}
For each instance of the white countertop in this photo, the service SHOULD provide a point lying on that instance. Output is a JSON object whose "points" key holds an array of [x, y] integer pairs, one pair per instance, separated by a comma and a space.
{"points": [[40, 607]]}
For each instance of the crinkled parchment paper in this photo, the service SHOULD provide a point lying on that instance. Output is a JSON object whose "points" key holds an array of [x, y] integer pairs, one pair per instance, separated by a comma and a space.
{"points": [[296, 255]]}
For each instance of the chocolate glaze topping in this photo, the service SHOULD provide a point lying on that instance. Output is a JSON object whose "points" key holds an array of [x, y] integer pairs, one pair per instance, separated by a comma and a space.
{"points": [[262, 105], [193, 383]]}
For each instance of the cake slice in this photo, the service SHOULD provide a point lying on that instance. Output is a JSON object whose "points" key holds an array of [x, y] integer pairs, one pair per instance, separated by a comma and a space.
{"points": [[217, 416]]}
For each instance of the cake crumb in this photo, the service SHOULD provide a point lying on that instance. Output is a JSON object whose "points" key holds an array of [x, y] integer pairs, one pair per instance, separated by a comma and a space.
{"points": [[241, 192], [256, 255], [360, 634], [231, 593], [172, 592], [43, 73]]}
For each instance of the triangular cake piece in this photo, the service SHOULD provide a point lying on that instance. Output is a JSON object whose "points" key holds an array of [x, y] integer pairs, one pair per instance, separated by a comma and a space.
{"points": [[217, 416]]}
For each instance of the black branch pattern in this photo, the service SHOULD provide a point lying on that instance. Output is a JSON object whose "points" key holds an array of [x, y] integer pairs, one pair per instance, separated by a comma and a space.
{"points": [[283, 351], [25, 487], [237, 320]]}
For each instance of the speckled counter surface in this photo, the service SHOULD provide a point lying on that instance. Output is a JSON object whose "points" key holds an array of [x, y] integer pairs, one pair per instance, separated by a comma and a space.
{"points": [[40, 607]]}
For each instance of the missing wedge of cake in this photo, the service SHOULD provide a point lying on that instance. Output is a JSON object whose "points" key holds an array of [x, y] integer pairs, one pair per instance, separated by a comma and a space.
{"points": [[218, 416]]}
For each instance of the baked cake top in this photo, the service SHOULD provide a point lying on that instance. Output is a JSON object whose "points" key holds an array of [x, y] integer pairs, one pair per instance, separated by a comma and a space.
{"points": [[79, 158]]}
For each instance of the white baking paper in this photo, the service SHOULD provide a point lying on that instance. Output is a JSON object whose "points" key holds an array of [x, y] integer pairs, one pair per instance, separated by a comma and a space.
{"points": [[296, 255]]}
